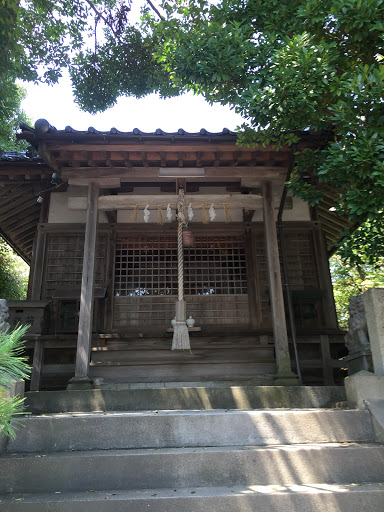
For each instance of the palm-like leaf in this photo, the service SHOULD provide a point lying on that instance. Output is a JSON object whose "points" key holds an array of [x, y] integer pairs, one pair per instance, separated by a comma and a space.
{"points": [[13, 364]]}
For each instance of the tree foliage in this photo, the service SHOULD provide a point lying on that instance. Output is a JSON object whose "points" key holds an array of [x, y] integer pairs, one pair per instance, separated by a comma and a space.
{"points": [[11, 115], [286, 66], [295, 66], [350, 280], [13, 274]]}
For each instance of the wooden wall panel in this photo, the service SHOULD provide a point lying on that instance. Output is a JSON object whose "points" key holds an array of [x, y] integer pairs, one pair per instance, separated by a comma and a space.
{"points": [[303, 271], [137, 313], [261, 278], [64, 262]]}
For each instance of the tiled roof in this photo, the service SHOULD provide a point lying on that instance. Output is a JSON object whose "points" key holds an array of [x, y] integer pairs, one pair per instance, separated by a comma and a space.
{"points": [[43, 126], [158, 131], [19, 156]]}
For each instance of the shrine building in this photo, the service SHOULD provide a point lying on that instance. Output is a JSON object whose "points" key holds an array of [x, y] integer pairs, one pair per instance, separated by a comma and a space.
{"points": [[120, 227]]}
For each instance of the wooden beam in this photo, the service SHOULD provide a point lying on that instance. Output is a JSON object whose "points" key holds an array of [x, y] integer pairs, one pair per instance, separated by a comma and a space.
{"points": [[284, 371], [26, 223], [102, 182], [25, 169], [12, 205], [258, 173], [46, 155], [24, 230], [128, 201]]}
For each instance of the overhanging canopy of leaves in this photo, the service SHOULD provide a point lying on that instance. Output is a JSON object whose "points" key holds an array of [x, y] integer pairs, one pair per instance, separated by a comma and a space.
{"points": [[285, 65], [289, 66]]}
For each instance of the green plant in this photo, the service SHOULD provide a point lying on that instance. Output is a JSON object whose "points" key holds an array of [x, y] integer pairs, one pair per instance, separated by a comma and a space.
{"points": [[350, 278], [13, 274], [13, 365]]}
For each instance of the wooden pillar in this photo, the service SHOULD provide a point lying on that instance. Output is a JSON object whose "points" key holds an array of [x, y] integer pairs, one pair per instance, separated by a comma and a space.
{"points": [[37, 278], [284, 375], [328, 379], [35, 287], [81, 379], [322, 263], [254, 317], [38, 354]]}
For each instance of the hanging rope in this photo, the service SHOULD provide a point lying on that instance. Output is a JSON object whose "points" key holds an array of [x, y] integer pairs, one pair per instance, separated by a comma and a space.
{"points": [[133, 216], [180, 332], [160, 212], [180, 262]]}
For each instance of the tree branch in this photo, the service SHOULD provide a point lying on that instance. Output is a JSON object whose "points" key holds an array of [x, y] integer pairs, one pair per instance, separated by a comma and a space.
{"points": [[102, 17], [155, 10]]}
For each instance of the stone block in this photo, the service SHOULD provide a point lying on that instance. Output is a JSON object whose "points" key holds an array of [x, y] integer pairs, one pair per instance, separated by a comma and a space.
{"points": [[13, 388], [359, 361], [374, 309], [376, 408], [362, 387]]}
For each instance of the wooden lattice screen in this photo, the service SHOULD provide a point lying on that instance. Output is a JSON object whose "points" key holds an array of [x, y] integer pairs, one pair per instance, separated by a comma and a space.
{"points": [[216, 265], [64, 261], [64, 264]]}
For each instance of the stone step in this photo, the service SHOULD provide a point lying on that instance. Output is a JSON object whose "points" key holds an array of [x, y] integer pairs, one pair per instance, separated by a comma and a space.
{"points": [[186, 467], [249, 498], [172, 396], [168, 429]]}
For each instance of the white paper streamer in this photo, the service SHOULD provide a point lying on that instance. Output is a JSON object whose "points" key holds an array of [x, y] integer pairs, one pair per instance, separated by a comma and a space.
{"points": [[146, 213], [212, 213], [190, 212], [169, 213]]}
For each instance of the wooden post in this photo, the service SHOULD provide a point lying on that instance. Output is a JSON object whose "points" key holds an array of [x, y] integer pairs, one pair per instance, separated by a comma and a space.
{"points": [[254, 317], [38, 354], [34, 292], [38, 254], [38, 258], [322, 263], [81, 379], [284, 376], [37, 278], [328, 379]]}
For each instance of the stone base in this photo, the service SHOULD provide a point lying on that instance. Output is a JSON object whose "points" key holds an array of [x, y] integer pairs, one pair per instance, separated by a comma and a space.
{"points": [[362, 387], [80, 383], [359, 361], [286, 379], [13, 388], [376, 408], [8, 391]]}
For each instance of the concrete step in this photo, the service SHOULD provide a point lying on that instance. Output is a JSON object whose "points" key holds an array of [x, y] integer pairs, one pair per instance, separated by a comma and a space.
{"points": [[175, 396], [186, 467], [168, 429], [250, 498]]}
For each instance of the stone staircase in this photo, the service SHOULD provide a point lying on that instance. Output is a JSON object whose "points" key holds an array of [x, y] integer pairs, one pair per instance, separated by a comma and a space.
{"points": [[192, 459]]}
